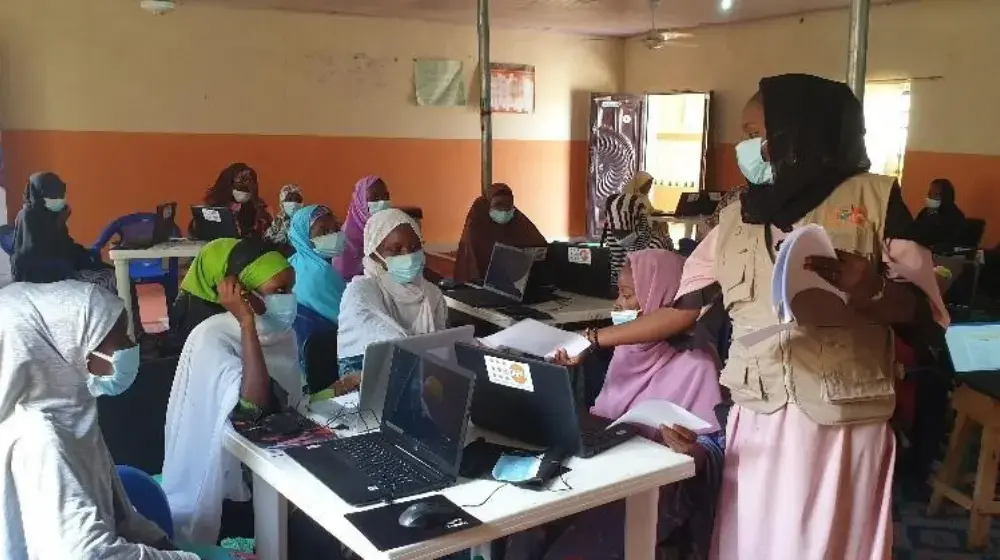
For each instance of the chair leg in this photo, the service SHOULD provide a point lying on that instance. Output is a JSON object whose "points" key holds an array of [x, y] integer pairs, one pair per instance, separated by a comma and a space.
{"points": [[985, 489], [948, 474]]}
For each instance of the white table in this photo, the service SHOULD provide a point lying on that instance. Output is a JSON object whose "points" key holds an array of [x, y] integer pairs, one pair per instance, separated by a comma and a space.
{"points": [[633, 471], [570, 308], [176, 248], [695, 227]]}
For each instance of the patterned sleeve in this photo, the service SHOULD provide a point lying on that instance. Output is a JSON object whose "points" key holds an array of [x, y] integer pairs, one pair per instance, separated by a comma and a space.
{"points": [[727, 198]]}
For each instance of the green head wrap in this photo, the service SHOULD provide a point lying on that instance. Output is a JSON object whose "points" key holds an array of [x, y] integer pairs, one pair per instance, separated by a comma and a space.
{"points": [[210, 266]]}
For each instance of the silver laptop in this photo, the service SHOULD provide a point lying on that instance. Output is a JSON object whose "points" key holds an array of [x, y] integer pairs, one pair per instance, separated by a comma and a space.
{"points": [[378, 360], [974, 347]]}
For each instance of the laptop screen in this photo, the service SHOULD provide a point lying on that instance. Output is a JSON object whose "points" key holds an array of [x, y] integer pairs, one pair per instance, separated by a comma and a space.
{"points": [[508, 270], [974, 347], [427, 404]]}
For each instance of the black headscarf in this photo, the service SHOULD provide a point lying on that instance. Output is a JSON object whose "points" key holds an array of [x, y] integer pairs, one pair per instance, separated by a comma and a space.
{"points": [[43, 248], [815, 139]]}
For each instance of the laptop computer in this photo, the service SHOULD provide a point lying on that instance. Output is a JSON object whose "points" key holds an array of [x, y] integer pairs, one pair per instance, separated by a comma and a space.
{"points": [[214, 222], [973, 348], [506, 279], [697, 204], [147, 233], [419, 445], [378, 361], [583, 269], [542, 279], [532, 401]]}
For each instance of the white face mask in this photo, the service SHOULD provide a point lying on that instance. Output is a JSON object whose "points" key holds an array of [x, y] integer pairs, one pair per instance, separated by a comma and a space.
{"points": [[624, 316], [290, 207], [932, 203], [241, 196]]}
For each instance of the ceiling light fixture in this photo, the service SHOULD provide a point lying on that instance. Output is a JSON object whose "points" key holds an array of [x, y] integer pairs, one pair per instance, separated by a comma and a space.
{"points": [[726, 5]]}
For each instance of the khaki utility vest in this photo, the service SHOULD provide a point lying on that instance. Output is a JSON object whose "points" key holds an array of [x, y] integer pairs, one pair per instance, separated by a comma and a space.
{"points": [[836, 375]]}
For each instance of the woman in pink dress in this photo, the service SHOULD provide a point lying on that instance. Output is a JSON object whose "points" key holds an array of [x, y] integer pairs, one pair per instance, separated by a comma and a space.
{"points": [[809, 452]]}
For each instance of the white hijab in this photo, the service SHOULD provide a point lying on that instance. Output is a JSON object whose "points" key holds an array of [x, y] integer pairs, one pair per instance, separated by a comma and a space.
{"points": [[198, 473], [46, 333], [410, 304]]}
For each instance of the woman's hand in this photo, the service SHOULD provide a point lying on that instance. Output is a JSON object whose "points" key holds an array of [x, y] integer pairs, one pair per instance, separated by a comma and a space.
{"points": [[680, 439], [852, 274], [346, 384], [233, 296], [562, 358]]}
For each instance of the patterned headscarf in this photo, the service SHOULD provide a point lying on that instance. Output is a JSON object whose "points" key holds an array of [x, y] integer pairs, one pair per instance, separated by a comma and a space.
{"points": [[278, 232]]}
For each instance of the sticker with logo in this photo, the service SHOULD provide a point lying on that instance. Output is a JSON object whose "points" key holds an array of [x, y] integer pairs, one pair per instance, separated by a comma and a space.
{"points": [[578, 255], [848, 215], [509, 373]]}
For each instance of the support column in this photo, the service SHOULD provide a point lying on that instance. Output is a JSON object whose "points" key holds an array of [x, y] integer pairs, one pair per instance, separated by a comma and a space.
{"points": [[857, 48], [485, 95]]}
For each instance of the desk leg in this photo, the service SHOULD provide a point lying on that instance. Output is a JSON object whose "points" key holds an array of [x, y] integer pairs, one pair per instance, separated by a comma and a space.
{"points": [[270, 512], [124, 286], [640, 525]]}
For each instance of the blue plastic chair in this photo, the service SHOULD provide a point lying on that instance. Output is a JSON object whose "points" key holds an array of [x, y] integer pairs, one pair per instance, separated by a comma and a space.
{"points": [[7, 239], [147, 497], [143, 271]]}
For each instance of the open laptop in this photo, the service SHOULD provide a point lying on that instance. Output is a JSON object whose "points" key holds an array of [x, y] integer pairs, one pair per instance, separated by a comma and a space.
{"points": [[697, 204], [533, 401], [214, 222], [419, 445], [583, 268], [378, 362], [147, 233], [506, 279], [974, 348]]}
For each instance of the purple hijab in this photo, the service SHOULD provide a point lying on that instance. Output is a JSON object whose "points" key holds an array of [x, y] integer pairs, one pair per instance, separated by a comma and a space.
{"points": [[656, 370], [348, 264]]}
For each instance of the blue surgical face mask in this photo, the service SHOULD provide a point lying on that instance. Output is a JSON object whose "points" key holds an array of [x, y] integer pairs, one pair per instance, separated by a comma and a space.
{"points": [[502, 216], [329, 245], [279, 312], [516, 468], [405, 269], [124, 369], [932, 203], [751, 160], [624, 316], [290, 207], [55, 204], [376, 206]]}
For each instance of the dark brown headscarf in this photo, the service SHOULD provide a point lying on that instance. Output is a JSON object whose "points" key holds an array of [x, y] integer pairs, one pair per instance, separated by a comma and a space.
{"points": [[481, 233], [252, 216]]}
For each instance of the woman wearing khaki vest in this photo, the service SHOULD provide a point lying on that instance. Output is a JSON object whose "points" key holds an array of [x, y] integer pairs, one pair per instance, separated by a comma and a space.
{"points": [[809, 452]]}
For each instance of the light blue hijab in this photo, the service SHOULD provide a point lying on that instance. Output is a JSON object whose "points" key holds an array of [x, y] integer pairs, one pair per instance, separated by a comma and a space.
{"points": [[318, 286]]}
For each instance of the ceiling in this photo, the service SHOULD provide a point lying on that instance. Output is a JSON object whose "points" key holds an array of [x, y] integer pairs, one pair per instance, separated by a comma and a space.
{"points": [[595, 17]]}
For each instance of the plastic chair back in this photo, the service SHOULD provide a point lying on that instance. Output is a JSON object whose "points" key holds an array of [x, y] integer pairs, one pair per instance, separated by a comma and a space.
{"points": [[142, 271], [7, 239], [147, 497]]}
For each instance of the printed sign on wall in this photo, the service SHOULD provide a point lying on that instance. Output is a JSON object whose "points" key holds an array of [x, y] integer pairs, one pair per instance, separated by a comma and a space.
{"points": [[512, 88]]}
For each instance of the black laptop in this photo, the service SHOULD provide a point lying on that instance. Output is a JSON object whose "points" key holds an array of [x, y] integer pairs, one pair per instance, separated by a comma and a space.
{"points": [[532, 401], [213, 222], [149, 232], [582, 268], [506, 279], [419, 446], [693, 204]]}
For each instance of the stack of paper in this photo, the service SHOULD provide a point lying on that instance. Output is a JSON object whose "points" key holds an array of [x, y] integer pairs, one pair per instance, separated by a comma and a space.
{"points": [[790, 277], [538, 339], [657, 412]]}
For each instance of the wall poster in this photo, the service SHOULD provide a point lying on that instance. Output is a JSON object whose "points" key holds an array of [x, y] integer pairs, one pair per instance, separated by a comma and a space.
{"points": [[512, 88]]}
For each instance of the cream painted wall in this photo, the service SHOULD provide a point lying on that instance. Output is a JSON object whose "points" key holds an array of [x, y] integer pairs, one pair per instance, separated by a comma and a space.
{"points": [[955, 39], [107, 65]]}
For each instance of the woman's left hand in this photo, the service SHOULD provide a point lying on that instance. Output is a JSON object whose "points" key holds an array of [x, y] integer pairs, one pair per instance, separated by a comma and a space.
{"points": [[680, 439], [852, 274]]}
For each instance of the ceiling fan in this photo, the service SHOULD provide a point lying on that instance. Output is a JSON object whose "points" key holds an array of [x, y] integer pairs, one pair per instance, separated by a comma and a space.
{"points": [[655, 39]]}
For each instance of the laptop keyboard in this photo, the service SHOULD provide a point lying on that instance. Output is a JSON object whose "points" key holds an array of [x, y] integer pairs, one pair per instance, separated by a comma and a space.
{"points": [[478, 297], [385, 467], [523, 312]]}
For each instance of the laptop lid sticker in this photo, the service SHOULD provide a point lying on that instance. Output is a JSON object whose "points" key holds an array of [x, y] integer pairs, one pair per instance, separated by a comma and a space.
{"points": [[578, 255], [211, 215], [516, 375]]}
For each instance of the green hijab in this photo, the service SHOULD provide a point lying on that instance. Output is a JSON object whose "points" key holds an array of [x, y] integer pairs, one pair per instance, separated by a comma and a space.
{"points": [[209, 268]]}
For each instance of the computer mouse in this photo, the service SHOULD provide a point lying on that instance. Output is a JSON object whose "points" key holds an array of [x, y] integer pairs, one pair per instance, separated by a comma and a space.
{"points": [[425, 515]]}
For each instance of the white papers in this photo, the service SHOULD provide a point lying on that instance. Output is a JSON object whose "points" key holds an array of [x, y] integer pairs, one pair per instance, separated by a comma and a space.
{"points": [[656, 412], [439, 83], [532, 337], [790, 278]]}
